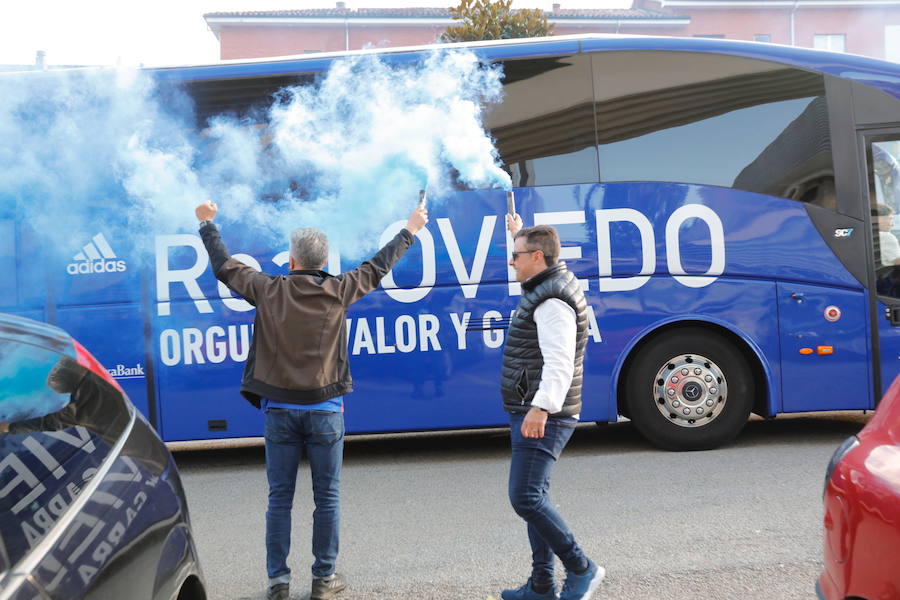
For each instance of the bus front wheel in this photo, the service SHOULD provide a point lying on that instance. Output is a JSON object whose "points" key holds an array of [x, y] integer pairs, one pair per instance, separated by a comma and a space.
{"points": [[689, 389]]}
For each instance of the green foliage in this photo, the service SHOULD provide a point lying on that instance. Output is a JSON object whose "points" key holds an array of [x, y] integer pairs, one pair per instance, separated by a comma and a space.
{"points": [[494, 20]]}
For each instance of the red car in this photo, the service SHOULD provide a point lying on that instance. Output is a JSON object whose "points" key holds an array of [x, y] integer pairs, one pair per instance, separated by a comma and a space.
{"points": [[862, 511]]}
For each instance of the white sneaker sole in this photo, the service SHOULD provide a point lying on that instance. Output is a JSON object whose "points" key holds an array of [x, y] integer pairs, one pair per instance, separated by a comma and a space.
{"points": [[595, 583]]}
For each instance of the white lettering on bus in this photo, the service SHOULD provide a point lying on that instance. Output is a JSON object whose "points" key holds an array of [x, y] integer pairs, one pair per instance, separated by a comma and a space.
{"points": [[604, 249], [429, 325], [568, 217], [217, 349], [405, 333], [460, 323], [515, 288], [469, 275], [192, 345], [166, 276], [493, 338], [374, 335], [716, 246], [429, 270], [383, 347], [468, 280], [648, 247]]}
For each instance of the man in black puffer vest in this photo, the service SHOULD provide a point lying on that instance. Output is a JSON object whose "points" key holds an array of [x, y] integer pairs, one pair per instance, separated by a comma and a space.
{"points": [[541, 385]]}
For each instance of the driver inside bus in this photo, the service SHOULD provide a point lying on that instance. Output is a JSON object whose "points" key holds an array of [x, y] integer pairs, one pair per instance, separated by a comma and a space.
{"points": [[889, 247]]}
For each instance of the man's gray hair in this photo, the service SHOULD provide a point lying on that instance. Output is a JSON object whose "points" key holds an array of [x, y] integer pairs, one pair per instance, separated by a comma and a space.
{"points": [[309, 248]]}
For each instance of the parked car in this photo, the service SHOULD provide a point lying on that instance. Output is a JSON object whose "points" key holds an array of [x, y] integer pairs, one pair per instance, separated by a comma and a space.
{"points": [[862, 510], [91, 504]]}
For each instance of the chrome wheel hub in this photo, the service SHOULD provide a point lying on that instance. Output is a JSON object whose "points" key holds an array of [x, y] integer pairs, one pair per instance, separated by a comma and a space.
{"points": [[690, 390]]}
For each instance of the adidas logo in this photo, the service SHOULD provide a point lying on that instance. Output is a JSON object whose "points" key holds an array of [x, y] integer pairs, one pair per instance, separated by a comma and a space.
{"points": [[96, 257]]}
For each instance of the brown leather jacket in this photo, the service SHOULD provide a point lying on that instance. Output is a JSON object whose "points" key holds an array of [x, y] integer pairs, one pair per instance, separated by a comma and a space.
{"points": [[298, 353]]}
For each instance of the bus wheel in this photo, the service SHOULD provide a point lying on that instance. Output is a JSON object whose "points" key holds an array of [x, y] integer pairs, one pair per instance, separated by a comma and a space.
{"points": [[689, 389]]}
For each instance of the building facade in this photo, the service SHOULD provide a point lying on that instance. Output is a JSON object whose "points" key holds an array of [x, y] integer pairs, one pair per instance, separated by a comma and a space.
{"points": [[867, 27]]}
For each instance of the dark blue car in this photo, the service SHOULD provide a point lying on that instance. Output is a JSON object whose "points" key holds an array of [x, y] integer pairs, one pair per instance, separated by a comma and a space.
{"points": [[91, 504]]}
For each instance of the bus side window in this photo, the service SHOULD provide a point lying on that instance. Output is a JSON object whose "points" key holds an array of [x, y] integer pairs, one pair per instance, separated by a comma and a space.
{"points": [[544, 128], [884, 184], [714, 120]]}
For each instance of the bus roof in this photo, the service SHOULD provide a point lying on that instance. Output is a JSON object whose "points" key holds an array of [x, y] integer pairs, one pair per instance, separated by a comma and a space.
{"points": [[882, 74]]}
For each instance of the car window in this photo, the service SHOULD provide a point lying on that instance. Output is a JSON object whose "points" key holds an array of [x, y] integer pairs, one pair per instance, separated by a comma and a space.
{"points": [[58, 422]]}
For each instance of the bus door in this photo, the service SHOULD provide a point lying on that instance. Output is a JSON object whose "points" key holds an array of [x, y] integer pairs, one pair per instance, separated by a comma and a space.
{"points": [[824, 350], [883, 172]]}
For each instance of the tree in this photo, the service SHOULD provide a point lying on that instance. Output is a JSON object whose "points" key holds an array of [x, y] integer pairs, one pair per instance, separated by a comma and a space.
{"points": [[494, 20]]}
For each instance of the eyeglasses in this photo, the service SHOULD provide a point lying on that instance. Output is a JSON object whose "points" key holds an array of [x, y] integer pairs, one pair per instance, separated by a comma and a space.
{"points": [[515, 255]]}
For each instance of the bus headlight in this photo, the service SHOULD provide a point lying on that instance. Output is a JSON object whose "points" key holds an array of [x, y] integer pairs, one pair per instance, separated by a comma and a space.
{"points": [[843, 450]]}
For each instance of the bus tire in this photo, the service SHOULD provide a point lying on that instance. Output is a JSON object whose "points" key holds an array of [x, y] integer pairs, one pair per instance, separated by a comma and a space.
{"points": [[689, 389]]}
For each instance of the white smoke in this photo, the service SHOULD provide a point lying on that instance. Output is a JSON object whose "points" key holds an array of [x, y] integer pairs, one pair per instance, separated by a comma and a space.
{"points": [[347, 154]]}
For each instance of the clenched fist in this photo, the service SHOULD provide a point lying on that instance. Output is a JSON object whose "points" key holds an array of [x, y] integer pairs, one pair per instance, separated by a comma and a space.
{"points": [[417, 219], [206, 211]]}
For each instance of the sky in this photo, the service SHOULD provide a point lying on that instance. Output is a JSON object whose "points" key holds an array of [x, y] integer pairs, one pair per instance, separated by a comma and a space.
{"points": [[157, 32]]}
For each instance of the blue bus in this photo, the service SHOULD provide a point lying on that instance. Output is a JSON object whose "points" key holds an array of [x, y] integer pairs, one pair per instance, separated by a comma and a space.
{"points": [[727, 206]]}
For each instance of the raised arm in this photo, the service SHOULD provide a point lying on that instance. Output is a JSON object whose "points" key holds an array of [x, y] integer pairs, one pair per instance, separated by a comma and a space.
{"points": [[357, 283], [241, 278]]}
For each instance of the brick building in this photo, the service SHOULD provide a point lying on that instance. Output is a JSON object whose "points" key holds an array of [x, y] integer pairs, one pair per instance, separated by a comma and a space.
{"points": [[868, 27]]}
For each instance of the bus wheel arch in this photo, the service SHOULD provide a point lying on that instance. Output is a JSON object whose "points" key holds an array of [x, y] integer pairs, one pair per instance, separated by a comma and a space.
{"points": [[676, 344]]}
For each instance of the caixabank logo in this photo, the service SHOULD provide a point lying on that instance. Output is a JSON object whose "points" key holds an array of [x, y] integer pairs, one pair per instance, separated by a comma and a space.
{"points": [[96, 257]]}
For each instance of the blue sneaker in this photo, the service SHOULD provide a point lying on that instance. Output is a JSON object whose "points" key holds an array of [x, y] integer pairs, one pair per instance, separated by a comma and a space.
{"points": [[526, 592], [582, 587]]}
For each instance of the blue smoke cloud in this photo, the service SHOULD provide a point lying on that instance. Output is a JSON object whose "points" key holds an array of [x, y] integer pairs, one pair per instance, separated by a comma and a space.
{"points": [[347, 154]]}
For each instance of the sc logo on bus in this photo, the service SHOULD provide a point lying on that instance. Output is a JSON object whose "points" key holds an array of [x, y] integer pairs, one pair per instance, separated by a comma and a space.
{"points": [[843, 233]]}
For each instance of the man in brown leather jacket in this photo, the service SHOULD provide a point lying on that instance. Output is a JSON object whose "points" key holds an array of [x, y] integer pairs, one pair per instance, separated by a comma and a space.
{"points": [[297, 371]]}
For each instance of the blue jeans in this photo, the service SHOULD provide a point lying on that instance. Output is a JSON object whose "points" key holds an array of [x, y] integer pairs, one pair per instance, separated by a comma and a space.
{"points": [[529, 493], [288, 434]]}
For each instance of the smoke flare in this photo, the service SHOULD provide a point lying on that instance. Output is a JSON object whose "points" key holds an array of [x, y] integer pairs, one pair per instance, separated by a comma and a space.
{"points": [[97, 149]]}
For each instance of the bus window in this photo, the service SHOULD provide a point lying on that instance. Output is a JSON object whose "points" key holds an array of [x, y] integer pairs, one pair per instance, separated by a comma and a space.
{"points": [[884, 182], [715, 120], [244, 98], [544, 128]]}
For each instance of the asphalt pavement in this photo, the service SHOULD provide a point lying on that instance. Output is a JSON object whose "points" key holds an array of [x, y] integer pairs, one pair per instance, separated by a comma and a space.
{"points": [[426, 515]]}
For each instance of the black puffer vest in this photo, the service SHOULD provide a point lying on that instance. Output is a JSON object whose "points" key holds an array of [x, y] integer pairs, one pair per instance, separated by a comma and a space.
{"points": [[522, 359]]}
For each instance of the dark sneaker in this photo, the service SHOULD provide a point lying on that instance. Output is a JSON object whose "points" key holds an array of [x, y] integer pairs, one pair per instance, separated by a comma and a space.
{"points": [[327, 588], [526, 592], [279, 591], [582, 587]]}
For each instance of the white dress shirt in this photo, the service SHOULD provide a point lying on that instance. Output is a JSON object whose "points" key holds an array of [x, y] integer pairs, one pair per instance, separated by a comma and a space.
{"points": [[556, 331], [890, 248]]}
